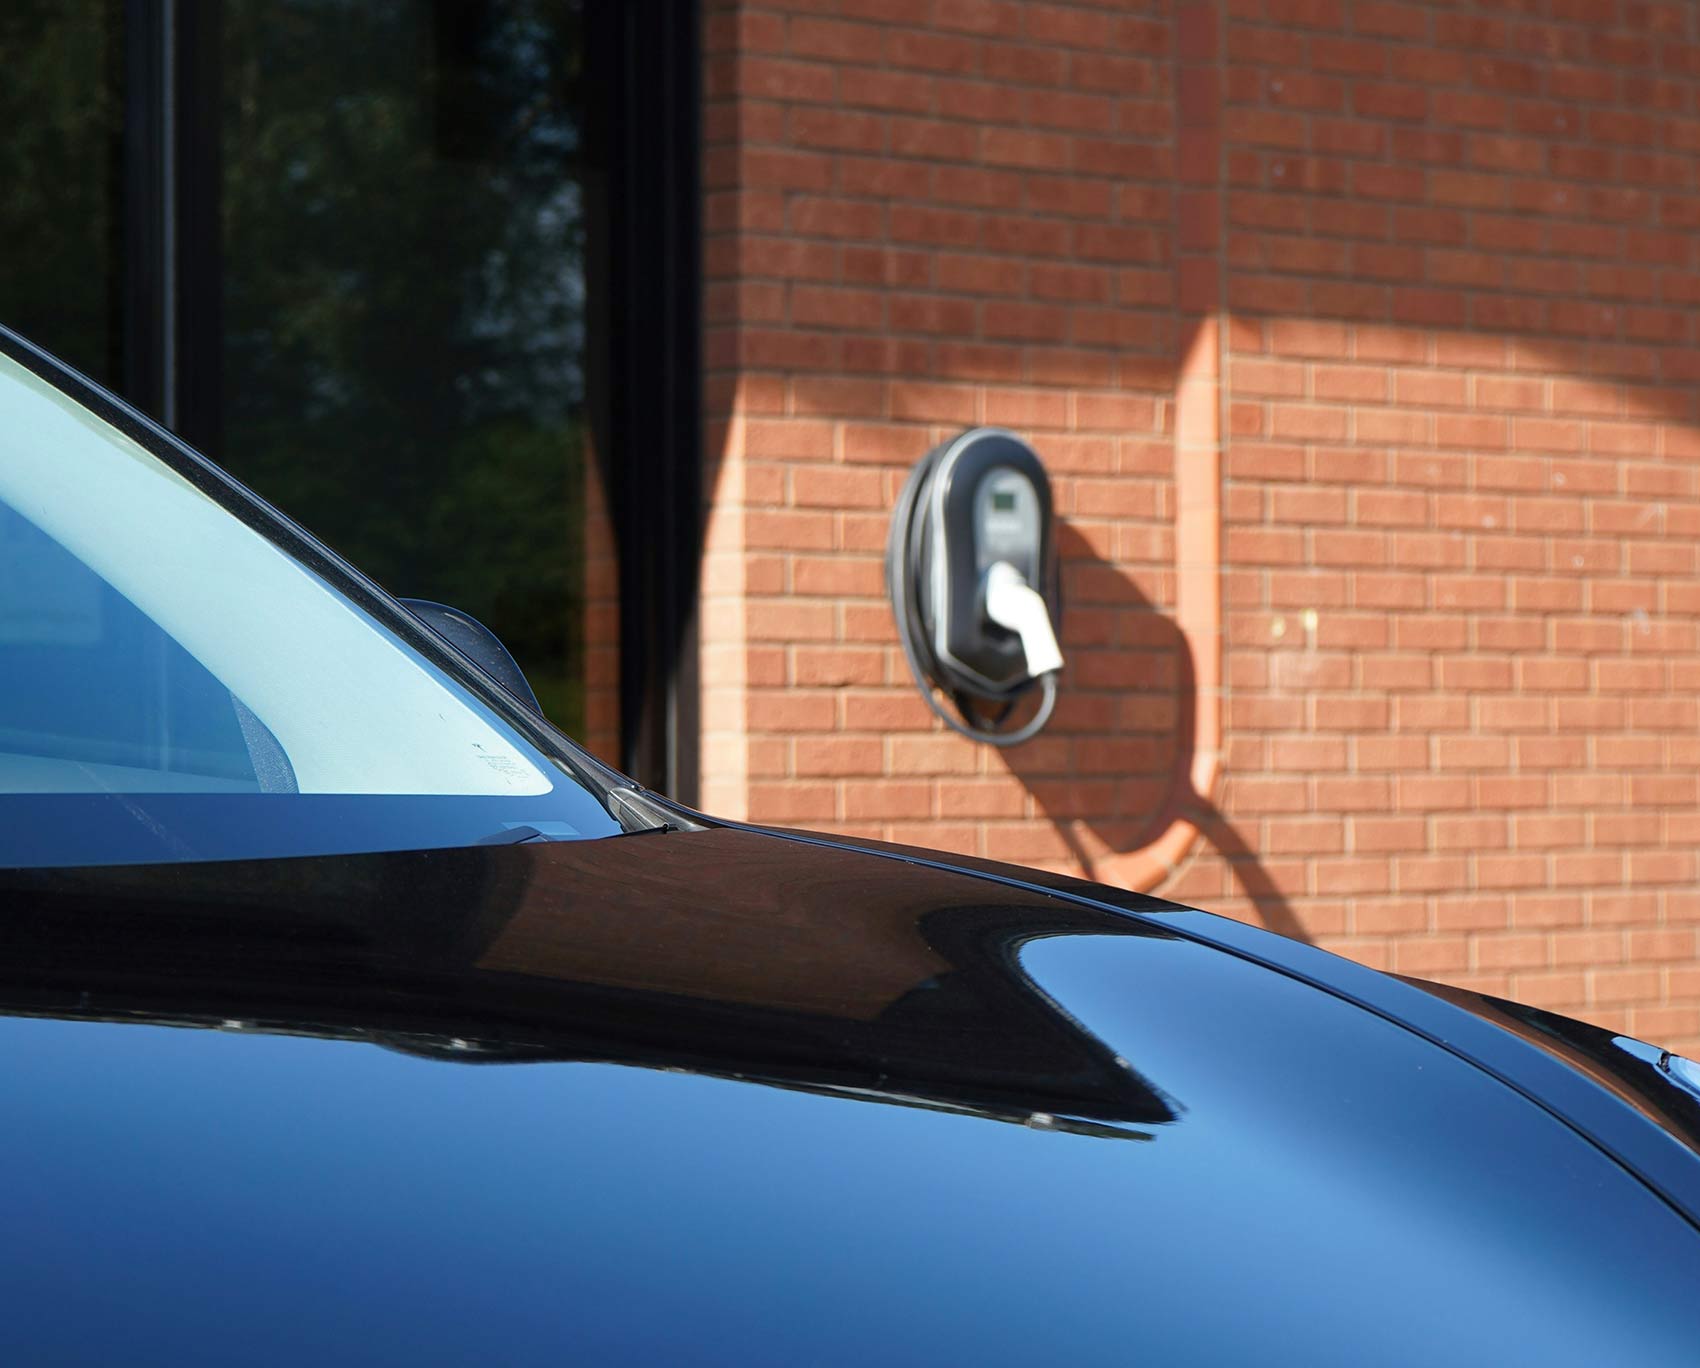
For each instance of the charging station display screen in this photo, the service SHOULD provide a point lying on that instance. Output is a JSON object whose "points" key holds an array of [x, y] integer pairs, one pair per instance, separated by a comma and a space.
{"points": [[1003, 501]]}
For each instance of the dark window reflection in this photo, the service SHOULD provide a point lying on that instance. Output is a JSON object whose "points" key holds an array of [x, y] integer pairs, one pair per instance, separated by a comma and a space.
{"points": [[60, 141], [403, 299]]}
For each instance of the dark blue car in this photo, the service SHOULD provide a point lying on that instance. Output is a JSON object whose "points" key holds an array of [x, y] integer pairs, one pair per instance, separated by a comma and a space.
{"points": [[351, 1014]]}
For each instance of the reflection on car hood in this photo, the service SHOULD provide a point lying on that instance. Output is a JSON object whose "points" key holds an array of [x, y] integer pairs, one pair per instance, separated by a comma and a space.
{"points": [[1305, 1181], [724, 952], [1641, 1076]]}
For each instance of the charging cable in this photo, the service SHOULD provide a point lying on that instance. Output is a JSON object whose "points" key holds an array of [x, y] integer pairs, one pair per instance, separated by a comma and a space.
{"points": [[1010, 602]]}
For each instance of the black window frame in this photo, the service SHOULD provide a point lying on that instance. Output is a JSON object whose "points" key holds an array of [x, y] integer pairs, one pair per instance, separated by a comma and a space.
{"points": [[643, 104]]}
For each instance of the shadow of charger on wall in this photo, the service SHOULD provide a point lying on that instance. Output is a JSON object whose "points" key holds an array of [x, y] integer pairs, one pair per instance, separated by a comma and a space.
{"points": [[972, 573]]}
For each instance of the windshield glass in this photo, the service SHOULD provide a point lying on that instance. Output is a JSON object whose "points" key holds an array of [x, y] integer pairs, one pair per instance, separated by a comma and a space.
{"points": [[174, 685]]}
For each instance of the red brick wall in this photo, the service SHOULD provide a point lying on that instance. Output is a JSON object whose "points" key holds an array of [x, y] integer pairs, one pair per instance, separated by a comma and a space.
{"points": [[1430, 279]]}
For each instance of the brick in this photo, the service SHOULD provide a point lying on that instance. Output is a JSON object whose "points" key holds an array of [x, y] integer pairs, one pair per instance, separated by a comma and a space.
{"points": [[838, 577], [1420, 792], [887, 800], [792, 802], [1018, 64], [787, 620], [837, 756], [931, 755], [834, 666], [1624, 985], [999, 18], [930, 51], [1458, 430], [1353, 875], [1431, 955], [788, 531], [989, 798], [885, 712]]}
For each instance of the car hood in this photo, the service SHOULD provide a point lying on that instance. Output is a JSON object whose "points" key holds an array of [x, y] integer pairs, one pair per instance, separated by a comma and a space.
{"points": [[719, 1095]]}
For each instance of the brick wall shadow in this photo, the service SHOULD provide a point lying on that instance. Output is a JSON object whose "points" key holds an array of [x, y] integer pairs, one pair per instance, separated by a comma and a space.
{"points": [[1115, 765]]}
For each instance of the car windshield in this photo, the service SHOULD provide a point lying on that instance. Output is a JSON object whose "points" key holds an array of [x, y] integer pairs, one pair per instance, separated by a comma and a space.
{"points": [[175, 685]]}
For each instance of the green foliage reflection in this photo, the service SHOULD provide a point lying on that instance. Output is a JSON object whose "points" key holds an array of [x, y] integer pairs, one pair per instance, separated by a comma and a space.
{"points": [[404, 299], [60, 113]]}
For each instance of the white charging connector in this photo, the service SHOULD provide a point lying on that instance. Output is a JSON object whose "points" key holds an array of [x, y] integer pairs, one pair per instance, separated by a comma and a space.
{"points": [[1014, 604]]}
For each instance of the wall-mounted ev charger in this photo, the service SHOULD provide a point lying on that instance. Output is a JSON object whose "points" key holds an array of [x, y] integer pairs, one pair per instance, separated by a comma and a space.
{"points": [[970, 564]]}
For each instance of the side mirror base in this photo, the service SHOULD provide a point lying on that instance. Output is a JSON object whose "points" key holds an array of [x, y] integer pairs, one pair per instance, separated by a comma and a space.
{"points": [[478, 644]]}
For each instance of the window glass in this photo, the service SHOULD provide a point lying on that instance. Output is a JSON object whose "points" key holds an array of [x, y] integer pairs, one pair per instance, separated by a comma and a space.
{"points": [[378, 300], [152, 643], [93, 695]]}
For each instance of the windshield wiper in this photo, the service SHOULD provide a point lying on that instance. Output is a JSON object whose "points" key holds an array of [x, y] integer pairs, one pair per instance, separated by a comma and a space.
{"points": [[637, 812]]}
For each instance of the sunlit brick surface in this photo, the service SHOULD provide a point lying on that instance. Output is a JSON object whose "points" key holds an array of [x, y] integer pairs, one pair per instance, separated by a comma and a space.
{"points": [[1453, 256]]}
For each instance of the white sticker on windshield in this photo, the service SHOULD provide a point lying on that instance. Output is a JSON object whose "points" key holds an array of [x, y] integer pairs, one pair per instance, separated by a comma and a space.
{"points": [[505, 763]]}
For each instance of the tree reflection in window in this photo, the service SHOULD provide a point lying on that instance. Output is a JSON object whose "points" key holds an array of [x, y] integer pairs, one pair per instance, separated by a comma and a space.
{"points": [[403, 295]]}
